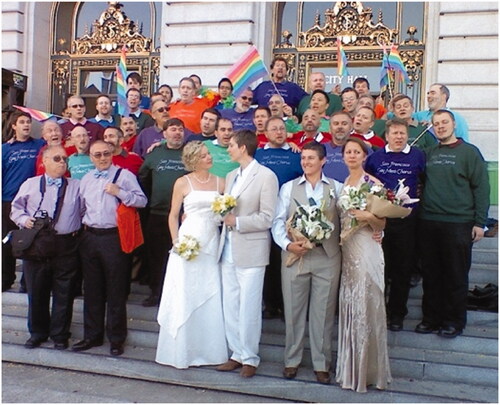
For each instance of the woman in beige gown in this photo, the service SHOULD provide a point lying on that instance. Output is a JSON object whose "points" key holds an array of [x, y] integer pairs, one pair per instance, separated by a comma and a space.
{"points": [[362, 356]]}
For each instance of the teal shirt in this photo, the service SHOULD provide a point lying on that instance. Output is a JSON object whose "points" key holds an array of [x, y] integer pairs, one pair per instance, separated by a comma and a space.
{"points": [[79, 165], [334, 105], [222, 163]]}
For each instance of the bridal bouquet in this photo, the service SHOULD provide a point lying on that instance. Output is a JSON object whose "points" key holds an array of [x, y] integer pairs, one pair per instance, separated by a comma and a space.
{"points": [[375, 198], [187, 247], [223, 204], [308, 224]]}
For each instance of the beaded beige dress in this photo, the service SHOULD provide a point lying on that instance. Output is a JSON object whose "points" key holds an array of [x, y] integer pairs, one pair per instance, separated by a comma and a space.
{"points": [[362, 356]]}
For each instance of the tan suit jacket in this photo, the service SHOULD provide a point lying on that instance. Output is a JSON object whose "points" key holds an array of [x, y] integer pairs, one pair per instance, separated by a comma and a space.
{"points": [[255, 209]]}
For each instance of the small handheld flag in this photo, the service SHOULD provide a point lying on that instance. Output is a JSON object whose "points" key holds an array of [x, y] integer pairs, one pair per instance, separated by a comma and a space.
{"points": [[384, 70], [36, 114], [341, 60], [396, 64], [121, 86], [248, 69]]}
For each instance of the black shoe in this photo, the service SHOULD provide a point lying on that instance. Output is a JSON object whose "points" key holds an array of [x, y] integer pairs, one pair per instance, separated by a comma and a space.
{"points": [[33, 342], [272, 313], [151, 301], [86, 344], [449, 332], [62, 345], [425, 327], [395, 325], [6, 287], [116, 349]]}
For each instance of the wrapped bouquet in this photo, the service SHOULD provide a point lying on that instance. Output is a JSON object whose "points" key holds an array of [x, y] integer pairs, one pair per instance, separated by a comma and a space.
{"points": [[308, 224], [187, 247]]}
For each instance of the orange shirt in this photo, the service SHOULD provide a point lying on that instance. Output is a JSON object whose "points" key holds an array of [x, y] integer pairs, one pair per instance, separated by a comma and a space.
{"points": [[190, 114]]}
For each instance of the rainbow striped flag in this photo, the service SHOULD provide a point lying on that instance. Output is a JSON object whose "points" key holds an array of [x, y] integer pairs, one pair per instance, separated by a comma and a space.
{"points": [[121, 86], [249, 68], [384, 70], [36, 114], [397, 65], [341, 60]]}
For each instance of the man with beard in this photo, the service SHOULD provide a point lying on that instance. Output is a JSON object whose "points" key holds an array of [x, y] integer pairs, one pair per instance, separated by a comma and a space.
{"points": [[241, 115], [104, 109], [160, 170], [129, 129], [311, 122], [121, 158]]}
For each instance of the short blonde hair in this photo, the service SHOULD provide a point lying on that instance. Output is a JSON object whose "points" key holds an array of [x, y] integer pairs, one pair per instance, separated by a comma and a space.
{"points": [[191, 154]]}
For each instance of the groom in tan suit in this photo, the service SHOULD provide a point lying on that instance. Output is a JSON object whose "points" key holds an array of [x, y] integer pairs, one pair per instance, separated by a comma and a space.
{"points": [[244, 252]]}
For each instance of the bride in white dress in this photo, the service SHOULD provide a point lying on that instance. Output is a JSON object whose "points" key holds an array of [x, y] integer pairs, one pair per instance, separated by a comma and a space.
{"points": [[190, 314]]}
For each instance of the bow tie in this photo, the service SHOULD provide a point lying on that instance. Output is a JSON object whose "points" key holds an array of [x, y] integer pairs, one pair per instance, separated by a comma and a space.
{"points": [[103, 173], [55, 182]]}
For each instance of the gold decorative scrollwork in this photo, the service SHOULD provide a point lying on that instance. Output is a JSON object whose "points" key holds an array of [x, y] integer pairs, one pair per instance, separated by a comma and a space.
{"points": [[60, 71], [110, 32], [350, 22], [412, 55]]}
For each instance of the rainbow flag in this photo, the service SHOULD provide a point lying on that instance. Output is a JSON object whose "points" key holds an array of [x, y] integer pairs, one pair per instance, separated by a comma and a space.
{"points": [[121, 86], [249, 68], [397, 65], [341, 60], [384, 70], [36, 114]]}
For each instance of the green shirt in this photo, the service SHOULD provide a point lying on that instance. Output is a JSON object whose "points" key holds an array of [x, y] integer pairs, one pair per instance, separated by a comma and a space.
{"points": [[456, 184], [222, 163], [334, 105], [157, 176]]}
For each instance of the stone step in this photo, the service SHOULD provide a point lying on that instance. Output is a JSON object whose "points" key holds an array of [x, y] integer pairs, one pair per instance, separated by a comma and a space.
{"points": [[138, 363], [485, 255]]}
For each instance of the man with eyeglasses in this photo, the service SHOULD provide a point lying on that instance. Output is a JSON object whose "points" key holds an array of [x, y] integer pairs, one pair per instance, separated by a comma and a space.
{"points": [[77, 107], [241, 115], [106, 272], [160, 170], [349, 98], [142, 119], [154, 133], [79, 163], [278, 156], [53, 136], [279, 109], [56, 275], [18, 164]]}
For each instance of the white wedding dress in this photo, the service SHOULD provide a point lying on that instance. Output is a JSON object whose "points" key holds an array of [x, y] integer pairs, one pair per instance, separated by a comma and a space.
{"points": [[190, 314]]}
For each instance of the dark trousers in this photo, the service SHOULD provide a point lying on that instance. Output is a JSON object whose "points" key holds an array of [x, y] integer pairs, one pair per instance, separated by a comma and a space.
{"points": [[8, 261], [56, 275], [273, 297], [399, 245], [159, 243], [446, 250], [106, 275]]}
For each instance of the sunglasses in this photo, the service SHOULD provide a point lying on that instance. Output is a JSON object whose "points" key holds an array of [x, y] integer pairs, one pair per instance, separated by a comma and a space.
{"points": [[163, 109], [99, 155], [245, 98], [58, 158], [77, 105]]}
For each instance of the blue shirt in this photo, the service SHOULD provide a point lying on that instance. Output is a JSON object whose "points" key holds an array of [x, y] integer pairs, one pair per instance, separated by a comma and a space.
{"points": [[291, 93], [461, 129], [18, 164], [282, 161], [242, 120], [79, 165]]}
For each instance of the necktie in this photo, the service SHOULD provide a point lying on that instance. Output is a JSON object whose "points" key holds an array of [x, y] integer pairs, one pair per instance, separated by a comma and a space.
{"points": [[55, 182], [312, 201], [98, 174]]}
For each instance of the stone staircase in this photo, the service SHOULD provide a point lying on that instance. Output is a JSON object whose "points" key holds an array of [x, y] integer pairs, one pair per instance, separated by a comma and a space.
{"points": [[425, 368]]}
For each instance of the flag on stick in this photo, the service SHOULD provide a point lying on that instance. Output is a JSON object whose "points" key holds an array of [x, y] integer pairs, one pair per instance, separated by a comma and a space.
{"points": [[248, 69], [384, 70], [36, 114], [121, 86], [397, 64], [341, 60]]}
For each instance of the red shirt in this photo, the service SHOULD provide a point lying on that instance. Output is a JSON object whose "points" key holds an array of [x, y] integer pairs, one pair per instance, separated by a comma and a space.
{"points": [[300, 138], [129, 145], [261, 140], [128, 160], [374, 140]]}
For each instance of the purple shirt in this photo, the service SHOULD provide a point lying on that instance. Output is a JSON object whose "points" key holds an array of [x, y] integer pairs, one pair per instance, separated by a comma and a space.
{"points": [[243, 120], [99, 206], [146, 138], [27, 199]]}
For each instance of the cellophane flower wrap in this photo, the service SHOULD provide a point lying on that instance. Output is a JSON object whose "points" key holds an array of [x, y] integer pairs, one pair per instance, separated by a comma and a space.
{"points": [[310, 225], [375, 198], [223, 204], [187, 247]]}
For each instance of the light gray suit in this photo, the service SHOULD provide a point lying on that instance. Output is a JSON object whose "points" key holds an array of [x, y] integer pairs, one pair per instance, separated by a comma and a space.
{"points": [[247, 254]]}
